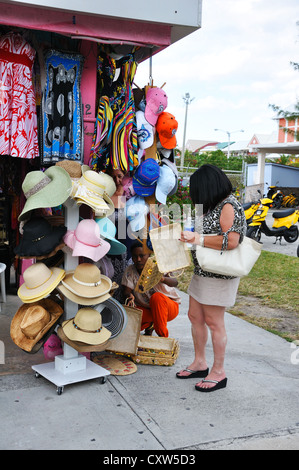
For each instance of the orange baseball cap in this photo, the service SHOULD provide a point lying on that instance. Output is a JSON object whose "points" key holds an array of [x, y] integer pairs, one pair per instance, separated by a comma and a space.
{"points": [[166, 128]]}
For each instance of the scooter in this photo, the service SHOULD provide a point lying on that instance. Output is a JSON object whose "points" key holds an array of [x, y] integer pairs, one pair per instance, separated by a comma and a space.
{"points": [[250, 209], [276, 196], [284, 224]]}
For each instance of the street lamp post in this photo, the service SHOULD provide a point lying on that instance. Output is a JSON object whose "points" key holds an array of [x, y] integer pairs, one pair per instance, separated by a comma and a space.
{"points": [[228, 137], [187, 100]]}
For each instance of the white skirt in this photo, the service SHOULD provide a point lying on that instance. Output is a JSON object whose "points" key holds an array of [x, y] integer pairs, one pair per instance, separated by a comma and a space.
{"points": [[214, 291]]}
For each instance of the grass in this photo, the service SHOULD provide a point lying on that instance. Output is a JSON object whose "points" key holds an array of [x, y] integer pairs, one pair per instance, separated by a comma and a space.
{"points": [[273, 281]]}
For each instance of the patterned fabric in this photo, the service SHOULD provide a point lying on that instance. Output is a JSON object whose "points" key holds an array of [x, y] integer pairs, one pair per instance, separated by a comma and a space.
{"points": [[18, 124], [211, 225], [62, 114]]}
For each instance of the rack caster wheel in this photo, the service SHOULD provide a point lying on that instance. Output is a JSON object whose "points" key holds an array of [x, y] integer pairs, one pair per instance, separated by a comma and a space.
{"points": [[59, 390], [37, 375], [103, 380]]}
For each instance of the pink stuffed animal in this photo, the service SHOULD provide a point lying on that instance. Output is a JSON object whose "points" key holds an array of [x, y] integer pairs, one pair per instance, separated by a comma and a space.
{"points": [[52, 347]]}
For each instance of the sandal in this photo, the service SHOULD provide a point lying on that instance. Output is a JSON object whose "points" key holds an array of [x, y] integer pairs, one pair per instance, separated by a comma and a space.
{"points": [[221, 384], [193, 373]]}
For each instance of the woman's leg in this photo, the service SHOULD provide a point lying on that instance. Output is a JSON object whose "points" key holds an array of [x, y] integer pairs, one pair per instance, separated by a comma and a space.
{"points": [[214, 318], [199, 335]]}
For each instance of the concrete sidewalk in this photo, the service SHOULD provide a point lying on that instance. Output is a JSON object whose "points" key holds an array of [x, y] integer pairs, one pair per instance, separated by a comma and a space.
{"points": [[151, 409]]}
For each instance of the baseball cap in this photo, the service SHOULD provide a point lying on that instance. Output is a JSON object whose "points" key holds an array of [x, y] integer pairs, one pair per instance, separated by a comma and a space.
{"points": [[166, 128], [166, 182], [145, 131], [145, 177], [156, 103]]}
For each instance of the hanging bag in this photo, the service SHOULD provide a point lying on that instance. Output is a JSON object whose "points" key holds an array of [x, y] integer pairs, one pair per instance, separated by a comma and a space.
{"points": [[237, 262]]}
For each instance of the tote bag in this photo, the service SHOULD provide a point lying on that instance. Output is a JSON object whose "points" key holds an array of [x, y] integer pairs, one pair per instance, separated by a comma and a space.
{"points": [[237, 262]]}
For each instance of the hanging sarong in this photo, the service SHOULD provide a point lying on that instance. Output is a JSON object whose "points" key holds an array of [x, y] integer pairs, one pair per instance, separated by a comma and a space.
{"points": [[61, 108]]}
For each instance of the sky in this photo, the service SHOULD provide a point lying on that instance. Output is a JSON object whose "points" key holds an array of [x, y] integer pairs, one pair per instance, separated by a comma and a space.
{"points": [[234, 66]]}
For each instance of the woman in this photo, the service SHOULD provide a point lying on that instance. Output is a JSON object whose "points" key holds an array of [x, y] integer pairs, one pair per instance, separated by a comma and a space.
{"points": [[210, 294]]}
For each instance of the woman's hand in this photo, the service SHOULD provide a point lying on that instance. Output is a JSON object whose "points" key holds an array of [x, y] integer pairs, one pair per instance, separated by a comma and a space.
{"points": [[191, 237]]}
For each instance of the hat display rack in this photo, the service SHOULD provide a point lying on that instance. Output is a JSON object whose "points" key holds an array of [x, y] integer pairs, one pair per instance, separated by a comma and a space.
{"points": [[71, 367]]}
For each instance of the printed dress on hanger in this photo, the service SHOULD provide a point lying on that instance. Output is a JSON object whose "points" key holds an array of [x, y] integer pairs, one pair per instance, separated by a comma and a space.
{"points": [[18, 124], [62, 113]]}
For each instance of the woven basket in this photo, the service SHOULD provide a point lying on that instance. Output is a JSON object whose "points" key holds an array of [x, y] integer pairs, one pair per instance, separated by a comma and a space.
{"points": [[157, 351], [149, 277]]}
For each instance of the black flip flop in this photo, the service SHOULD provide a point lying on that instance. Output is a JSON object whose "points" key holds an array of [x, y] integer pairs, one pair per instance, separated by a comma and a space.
{"points": [[193, 373], [221, 384]]}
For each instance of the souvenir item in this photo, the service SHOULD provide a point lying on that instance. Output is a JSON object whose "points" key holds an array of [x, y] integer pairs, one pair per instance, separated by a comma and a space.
{"points": [[136, 211], [91, 190], [237, 262], [86, 240], [18, 124], [39, 238], [86, 327], [145, 177], [168, 162], [156, 103], [61, 108], [39, 281], [149, 277], [166, 129], [165, 183], [145, 131], [171, 254], [86, 284], [102, 134], [79, 345], [31, 323], [114, 316], [108, 231], [45, 189], [116, 365], [74, 169], [157, 351]]}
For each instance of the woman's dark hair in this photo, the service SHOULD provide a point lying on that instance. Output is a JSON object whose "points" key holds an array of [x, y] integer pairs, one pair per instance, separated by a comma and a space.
{"points": [[208, 186]]}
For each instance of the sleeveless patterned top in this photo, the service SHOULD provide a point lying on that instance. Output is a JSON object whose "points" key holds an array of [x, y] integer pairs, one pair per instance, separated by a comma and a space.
{"points": [[211, 225]]}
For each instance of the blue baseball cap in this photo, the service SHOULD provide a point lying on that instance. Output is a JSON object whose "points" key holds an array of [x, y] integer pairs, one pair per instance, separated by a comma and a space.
{"points": [[145, 177]]}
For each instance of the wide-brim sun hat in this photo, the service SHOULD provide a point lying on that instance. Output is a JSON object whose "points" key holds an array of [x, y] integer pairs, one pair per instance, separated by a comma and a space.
{"points": [[79, 345], [108, 232], [81, 300], [39, 238], [87, 281], [39, 282], [50, 188], [91, 189], [31, 323], [86, 240], [86, 327], [114, 316]]}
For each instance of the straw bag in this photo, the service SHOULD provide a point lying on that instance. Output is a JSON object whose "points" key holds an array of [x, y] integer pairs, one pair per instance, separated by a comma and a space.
{"points": [[171, 254], [149, 277], [237, 262], [157, 351]]}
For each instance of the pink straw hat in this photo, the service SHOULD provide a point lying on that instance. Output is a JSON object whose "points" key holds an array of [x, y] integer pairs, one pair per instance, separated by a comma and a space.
{"points": [[86, 240]]}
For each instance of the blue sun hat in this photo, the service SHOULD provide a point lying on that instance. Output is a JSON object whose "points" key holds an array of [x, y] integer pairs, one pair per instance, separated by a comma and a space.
{"points": [[108, 231], [136, 212], [145, 177]]}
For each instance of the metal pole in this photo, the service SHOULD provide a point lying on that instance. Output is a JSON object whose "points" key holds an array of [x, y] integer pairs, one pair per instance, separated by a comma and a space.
{"points": [[187, 100]]}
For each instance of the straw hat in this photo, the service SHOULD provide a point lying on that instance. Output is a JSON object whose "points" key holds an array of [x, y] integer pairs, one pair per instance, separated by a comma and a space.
{"points": [[86, 281], [86, 240], [31, 323], [78, 345], [45, 189], [39, 281], [93, 189], [114, 316], [86, 327]]}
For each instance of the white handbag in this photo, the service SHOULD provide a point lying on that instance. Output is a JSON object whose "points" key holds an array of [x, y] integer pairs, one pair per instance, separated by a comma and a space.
{"points": [[237, 262]]}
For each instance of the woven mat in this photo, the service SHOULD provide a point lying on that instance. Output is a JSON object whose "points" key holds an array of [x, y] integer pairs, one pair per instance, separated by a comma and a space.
{"points": [[116, 365]]}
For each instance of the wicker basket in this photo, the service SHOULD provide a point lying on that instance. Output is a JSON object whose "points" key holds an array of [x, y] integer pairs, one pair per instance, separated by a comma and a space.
{"points": [[157, 351]]}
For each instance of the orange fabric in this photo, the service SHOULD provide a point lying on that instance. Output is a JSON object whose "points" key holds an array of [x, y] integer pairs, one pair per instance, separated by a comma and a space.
{"points": [[162, 310]]}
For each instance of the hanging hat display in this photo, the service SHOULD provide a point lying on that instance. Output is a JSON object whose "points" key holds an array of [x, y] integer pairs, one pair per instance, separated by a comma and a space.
{"points": [[39, 282], [136, 211], [108, 232], [45, 189], [39, 238], [32, 322], [91, 190], [156, 103], [172, 165], [167, 126], [86, 240], [145, 131], [86, 285]]}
